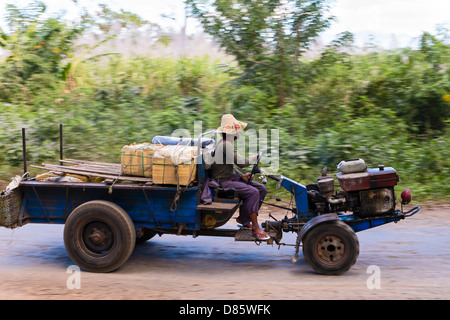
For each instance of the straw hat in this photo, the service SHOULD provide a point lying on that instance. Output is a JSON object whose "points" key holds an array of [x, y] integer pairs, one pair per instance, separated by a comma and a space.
{"points": [[230, 125]]}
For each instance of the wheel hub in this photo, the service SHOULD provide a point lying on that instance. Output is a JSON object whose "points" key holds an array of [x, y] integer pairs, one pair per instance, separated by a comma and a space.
{"points": [[98, 237], [331, 249]]}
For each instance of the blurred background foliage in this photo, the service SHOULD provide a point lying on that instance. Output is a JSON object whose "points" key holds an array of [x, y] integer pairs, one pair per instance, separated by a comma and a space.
{"points": [[388, 107]]}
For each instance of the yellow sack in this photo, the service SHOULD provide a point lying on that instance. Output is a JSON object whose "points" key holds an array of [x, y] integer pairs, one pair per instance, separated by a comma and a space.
{"points": [[51, 176]]}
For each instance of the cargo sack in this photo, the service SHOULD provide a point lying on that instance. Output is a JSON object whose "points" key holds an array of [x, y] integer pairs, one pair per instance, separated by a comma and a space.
{"points": [[11, 204], [61, 177], [174, 165], [136, 159], [172, 141], [352, 166]]}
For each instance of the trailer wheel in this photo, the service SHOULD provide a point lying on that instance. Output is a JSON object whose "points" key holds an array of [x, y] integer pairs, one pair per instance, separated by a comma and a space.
{"points": [[331, 248], [147, 234], [99, 236]]}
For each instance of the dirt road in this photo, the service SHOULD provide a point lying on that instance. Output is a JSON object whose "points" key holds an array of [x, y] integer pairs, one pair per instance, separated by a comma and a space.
{"points": [[411, 260]]}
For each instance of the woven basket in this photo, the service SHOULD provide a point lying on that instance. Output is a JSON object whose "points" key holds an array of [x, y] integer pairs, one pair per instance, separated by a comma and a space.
{"points": [[10, 206]]}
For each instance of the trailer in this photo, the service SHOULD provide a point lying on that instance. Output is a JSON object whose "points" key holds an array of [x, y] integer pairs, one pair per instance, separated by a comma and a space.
{"points": [[105, 220]]}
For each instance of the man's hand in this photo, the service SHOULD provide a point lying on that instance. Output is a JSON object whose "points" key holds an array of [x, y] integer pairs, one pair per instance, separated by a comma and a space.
{"points": [[246, 176]]}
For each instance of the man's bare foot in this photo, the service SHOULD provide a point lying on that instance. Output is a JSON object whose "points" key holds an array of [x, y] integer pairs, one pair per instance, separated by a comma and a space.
{"points": [[248, 225], [259, 234]]}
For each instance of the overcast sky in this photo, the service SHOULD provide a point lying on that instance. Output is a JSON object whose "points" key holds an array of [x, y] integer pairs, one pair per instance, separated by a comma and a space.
{"points": [[404, 19], [387, 20]]}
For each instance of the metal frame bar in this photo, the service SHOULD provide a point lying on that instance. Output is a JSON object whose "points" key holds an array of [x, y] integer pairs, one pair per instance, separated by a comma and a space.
{"points": [[42, 206]]}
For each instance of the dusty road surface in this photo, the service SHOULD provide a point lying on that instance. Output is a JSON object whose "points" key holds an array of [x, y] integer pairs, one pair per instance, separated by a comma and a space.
{"points": [[411, 260]]}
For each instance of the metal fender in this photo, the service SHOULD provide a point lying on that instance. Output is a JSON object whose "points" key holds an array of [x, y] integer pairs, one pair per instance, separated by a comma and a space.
{"points": [[308, 226], [314, 222]]}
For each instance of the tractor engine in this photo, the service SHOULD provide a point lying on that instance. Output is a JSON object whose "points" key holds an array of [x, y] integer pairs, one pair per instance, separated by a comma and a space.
{"points": [[365, 192]]}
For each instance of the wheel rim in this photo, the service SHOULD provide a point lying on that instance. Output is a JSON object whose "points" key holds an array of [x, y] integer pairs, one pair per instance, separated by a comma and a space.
{"points": [[331, 249], [98, 237]]}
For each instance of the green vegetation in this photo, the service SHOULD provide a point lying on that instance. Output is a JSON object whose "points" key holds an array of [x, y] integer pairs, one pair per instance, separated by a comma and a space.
{"points": [[385, 106]]}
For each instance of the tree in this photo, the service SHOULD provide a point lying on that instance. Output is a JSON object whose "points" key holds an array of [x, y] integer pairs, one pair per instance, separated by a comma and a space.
{"points": [[43, 51], [267, 37], [36, 47]]}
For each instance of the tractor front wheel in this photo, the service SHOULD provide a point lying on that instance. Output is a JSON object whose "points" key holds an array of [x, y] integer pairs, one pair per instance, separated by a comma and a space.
{"points": [[331, 248]]}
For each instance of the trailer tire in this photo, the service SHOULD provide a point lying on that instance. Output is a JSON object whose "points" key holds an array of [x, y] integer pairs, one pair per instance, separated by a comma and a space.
{"points": [[331, 248], [147, 234], [99, 236]]}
